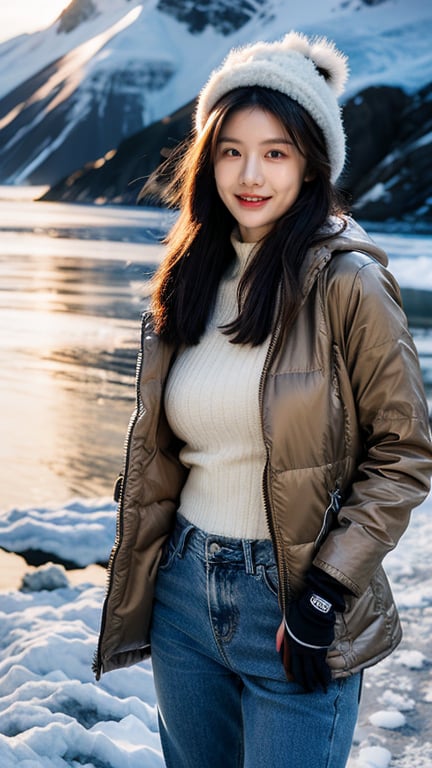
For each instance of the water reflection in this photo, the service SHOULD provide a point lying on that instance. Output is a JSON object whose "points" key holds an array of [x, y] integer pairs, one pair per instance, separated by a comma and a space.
{"points": [[69, 329], [69, 333]]}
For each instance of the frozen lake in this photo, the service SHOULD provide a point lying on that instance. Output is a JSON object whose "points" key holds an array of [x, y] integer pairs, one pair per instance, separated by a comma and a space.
{"points": [[73, 285]]}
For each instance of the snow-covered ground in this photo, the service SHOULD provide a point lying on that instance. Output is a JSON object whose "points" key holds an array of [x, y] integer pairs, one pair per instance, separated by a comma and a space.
{"points": [[53, 714]]}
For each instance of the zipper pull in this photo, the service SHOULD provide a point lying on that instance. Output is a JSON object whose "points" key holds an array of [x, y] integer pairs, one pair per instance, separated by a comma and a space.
{"points": [[336, 499]]}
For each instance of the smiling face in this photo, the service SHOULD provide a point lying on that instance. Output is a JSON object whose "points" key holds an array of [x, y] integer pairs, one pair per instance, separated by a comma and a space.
{"points": [[258, 171]]}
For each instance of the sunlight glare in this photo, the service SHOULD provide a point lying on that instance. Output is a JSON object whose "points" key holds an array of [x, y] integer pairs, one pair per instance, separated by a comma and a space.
{"points": [[22, 16]]}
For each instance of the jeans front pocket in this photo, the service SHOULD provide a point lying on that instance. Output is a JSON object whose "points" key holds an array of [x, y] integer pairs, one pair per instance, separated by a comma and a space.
{"points": [[175, 546], [268, 574]]}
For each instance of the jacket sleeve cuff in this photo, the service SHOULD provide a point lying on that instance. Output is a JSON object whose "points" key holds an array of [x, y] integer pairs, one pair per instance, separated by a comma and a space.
{"points": [[327, 586], [342, 556]]}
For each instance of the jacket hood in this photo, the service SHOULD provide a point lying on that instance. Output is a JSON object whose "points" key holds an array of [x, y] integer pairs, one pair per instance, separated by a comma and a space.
{"points": [[339, 233], [352, 238]]}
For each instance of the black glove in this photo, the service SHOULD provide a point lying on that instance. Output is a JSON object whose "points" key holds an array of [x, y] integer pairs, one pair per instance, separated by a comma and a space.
{"points": [[309, 630]]}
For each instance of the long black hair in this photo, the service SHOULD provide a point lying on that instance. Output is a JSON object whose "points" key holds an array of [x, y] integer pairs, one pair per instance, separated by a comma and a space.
{"points": [[199, 247]]}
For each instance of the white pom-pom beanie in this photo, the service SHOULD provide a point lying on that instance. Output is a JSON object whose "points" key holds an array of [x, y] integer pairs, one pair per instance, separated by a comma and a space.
{"points": [[311, 71]]}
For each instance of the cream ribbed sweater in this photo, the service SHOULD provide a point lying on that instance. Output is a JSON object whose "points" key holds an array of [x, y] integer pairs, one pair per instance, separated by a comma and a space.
{"points": [[212, 404]]}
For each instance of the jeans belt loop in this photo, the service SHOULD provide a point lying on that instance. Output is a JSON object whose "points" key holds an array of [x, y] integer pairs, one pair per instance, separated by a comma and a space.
{"points": [[248, 556]]}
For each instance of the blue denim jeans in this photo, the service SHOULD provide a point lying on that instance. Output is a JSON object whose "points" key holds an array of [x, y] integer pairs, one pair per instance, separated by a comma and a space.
{"points": [[223, 698]]}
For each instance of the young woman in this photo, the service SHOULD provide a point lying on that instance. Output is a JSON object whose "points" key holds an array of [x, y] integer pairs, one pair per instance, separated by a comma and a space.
{"points": [[280, 438]]}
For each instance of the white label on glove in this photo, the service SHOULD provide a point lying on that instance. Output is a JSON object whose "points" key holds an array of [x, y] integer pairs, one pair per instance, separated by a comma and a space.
{"points": [[320, 604]]}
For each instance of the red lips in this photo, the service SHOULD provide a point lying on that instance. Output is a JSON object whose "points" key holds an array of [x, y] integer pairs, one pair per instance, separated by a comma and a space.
{"points": [[251, 201]]}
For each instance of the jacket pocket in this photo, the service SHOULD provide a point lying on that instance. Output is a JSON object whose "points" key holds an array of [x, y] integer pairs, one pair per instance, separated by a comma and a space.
{"points": [[367, 631], [330, 520]]}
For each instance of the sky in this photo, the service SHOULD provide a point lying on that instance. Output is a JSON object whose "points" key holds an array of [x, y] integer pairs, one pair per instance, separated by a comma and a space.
{"points": [[19, 16]]}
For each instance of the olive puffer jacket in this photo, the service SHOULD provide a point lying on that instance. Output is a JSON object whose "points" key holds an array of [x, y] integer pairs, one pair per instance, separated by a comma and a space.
{"points": [[349, 455]]}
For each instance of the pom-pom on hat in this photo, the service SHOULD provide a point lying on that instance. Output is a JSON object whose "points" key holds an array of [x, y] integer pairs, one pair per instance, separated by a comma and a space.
{"points": [[311, 71]]}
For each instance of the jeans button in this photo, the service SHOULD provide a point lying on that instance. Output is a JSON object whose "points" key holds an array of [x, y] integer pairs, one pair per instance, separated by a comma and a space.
{"points": [[214, 547]]}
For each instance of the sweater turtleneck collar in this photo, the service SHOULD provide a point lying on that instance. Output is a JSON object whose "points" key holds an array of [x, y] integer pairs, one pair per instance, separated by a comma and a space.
{"points": [[243, 252]]}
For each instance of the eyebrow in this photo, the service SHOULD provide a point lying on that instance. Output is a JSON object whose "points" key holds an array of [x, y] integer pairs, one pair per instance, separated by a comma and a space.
{"points": [[278, 140]]}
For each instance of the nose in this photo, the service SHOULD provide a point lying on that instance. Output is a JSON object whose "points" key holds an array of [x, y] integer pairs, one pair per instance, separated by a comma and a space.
{"points": [[251, 172]]}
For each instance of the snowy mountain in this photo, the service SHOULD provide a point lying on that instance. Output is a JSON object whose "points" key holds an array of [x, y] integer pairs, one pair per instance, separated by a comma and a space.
{"points": [[108, 69]]}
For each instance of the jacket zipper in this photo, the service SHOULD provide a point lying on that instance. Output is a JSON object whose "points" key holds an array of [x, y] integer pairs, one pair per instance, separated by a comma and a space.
{"points": [[277, 545], [119, 496]]}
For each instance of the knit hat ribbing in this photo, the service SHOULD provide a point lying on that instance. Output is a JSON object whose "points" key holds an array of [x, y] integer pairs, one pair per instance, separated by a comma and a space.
{"points": [[312, 72]]}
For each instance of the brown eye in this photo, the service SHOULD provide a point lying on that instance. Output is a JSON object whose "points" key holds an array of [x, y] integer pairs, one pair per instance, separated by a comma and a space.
{"points": [[232, 152]]}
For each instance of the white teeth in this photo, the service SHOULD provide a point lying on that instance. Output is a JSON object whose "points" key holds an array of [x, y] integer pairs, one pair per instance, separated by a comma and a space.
{"points": [[252, 199]]}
